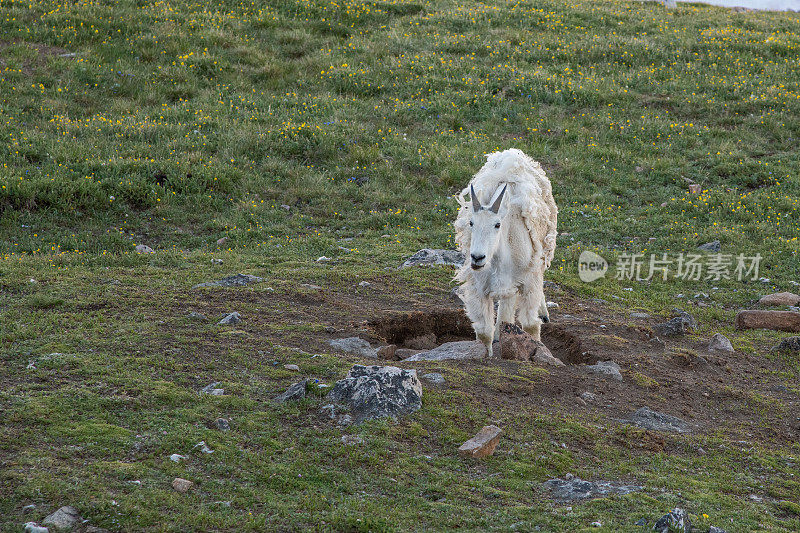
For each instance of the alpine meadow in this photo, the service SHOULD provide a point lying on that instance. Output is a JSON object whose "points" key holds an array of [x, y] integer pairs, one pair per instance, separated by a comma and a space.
{"points": [[212, 214]]}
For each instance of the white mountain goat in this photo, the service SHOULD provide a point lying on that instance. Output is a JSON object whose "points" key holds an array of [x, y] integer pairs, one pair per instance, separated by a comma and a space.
{"points": [[508, 233]]}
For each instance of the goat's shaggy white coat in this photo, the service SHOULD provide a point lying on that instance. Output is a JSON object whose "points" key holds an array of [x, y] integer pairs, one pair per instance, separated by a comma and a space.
{"points": [[512, 258]]}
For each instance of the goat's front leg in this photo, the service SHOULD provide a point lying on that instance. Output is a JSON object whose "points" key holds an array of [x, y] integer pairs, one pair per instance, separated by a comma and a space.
{"points": [[506, 311], [533, 310], [481, 313]]}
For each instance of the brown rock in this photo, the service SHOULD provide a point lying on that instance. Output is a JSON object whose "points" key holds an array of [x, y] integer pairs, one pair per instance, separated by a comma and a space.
{"points": [[222, 241], [695, 188], [482, 444], [388, 352], [518, 345], [405, 353], [780, 298], [776, 320], [423, 342], [181, 485]]}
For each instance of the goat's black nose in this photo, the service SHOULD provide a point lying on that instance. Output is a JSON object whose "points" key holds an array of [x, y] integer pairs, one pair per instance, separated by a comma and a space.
{"points": [[477, 258]]}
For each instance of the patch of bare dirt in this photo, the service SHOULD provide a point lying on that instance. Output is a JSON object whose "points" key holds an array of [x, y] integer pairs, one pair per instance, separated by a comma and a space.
{"points": [[43, 52]]}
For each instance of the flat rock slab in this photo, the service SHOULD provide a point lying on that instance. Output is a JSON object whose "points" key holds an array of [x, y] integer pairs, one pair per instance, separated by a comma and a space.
{"points": [[646, 418], [355, 346], [430, 257], [378, 391], [676, 521], [65, 518], [780, 298], [720, 343], [573, 488], [789, 344], [231, 319], [775, 320], [713, 246], [608, 369], [458, 350], [238, 280], [482, 444]]}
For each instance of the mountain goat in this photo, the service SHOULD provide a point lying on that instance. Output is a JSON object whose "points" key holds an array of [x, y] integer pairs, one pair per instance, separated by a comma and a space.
{"points": [[507, 231]]}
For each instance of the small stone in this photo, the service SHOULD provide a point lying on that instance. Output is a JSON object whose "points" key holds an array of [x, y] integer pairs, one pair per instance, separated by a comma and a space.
{"points": [[351, 440], [388, 351], [679, 325], [323, 259], [780, 298], [597, 524], [311, 287], [720, 343], [33, 527], [344, 420], [65, 518], [694, 188], [404, 353], [230, 319], [295, 392], [429, 257], [203, 447], [194, 315], [286, 207], [28, 508], [552, 305], [434, 377], [182, 485], [216, 261], [293, 368], [606, 368], [222, 424], [638, 168], [788, 344], [238, 280], [636, 314], [676, 521], [713, 246], [482, 444], [222, 241], [144, 249], [365, 284], [588, 396], [177, 458], [422, 342], [774, 320], [354, 345], [646, 418], [641, 522], [217, 392], [715, 529]]}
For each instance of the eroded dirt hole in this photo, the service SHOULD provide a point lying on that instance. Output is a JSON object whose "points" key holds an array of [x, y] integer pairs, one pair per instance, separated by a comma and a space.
{"points": [[424, 330], [565, 345]]}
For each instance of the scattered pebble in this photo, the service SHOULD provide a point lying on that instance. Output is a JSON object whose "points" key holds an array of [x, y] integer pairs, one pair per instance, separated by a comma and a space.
{"points": [[434, 377], [203, 447], [230, 319], [144, 249], [181, 485], [222, 424], [177, 458], [293, 368]]}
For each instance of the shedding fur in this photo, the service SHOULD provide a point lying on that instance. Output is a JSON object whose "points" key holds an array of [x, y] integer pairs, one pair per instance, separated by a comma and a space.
{"points": [[506, 264]]}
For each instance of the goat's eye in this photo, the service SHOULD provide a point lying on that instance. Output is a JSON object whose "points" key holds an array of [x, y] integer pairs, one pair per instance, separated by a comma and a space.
{"points": [[497, 225], [470, 223]]}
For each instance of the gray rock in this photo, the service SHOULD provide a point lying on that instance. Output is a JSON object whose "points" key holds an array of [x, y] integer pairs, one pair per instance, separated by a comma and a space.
{"points": [[194, 315], [720, 343], [211, 388], [788, 344], [573, 488], [28, 508], [354, 345], [636, 314], [452, 350], [606, 368], [65, 518], [434, 377], [294, 392], [646, 418], [713, 246], [144, 249], [641, 522], [238, 280], [428, 257], [715, 529], [350, 440], [222, 424], [676, 521], [588, 396], [33, 527], [230, 319], [680, 325], [378, 391]]}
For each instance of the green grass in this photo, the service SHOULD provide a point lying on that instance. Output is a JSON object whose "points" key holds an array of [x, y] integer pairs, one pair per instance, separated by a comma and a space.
{"points": [[177, 124]]}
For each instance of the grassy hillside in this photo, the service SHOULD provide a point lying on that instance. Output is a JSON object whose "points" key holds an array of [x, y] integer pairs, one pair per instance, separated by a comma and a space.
{"points": [[298, 129]]}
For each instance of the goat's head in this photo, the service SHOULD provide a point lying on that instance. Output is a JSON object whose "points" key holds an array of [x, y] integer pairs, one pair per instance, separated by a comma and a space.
{"points": [[486, 223]]}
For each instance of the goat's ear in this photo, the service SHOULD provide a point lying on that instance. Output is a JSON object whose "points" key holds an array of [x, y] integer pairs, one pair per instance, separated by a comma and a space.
{"points": [[476, 204], [498, 200]]}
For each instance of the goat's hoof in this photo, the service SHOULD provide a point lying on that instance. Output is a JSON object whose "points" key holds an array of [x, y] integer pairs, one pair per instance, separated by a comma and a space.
{"points": [[544, 318]]}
